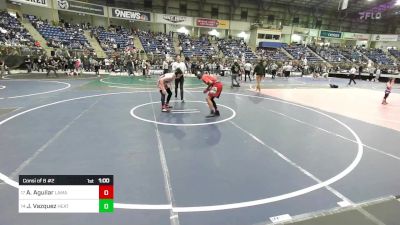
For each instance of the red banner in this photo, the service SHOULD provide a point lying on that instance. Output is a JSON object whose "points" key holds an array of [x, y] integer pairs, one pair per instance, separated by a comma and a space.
{"points": [[213, 23]]}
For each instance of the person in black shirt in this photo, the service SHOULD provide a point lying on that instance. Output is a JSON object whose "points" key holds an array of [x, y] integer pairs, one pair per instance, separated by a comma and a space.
{"points": [[235, 70], [52, 65], [259, 71], [28, 64]]}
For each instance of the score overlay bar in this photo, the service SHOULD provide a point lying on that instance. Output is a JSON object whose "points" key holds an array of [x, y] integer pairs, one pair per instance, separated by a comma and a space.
{"points": [[66, 194]]}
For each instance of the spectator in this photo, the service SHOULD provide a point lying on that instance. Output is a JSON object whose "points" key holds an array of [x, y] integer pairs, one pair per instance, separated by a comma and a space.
{"points": [[247, 70], [235, 69]]}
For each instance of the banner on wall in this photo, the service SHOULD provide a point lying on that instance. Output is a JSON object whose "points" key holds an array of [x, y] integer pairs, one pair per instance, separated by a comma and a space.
{"points": [[173, 19], [313, 33], [384, 37], [222, 24], [80, 7], [130, 14], [356, 36], [301, 30], [330, 34], [41, 3]]}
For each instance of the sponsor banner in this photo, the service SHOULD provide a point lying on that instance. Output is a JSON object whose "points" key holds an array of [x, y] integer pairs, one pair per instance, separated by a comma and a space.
{"points": [[301, 30], [240, 25], [41, 3], [313, 33], [130, 14], [286, 30], [222, 24], [330, 34], [384, 37], [173, 19], [80, 7], [356, 36]]}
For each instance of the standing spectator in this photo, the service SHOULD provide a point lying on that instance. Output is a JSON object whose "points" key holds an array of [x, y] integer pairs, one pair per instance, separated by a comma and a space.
{"points": [[2, 68], [247, 70], [28, 64], [107, 64], [274, 68], [77, 65], [180, 50], [235, 70], [130, 66], [52, 66], [40, 63], [360, 70], [352, 72], [377, 73], [259, 71], [96, 66], [148, 67], [144, 67], [165, 66]]}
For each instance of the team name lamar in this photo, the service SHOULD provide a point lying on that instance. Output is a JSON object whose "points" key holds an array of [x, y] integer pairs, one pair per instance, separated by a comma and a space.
{"points": [[40, 193]]}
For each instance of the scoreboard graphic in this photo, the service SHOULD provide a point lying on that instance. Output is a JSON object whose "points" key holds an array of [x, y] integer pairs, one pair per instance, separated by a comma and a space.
{"points": [[66, 194]]}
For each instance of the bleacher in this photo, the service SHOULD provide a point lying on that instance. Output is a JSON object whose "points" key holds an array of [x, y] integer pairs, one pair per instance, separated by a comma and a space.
{"points": [[299, 52], [236, 49], [122, 37], [70, 37], [352, 54], [330, 54], [395, 53], [272, 54], [196, 47], [378, 56], [12, 32], [156, 43]]}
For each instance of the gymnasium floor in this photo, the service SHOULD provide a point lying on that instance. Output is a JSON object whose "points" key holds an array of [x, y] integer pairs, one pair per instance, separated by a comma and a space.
{"points": [[298, 148]]}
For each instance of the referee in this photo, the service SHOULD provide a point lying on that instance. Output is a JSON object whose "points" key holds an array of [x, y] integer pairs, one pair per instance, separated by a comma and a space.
{"points": [[179, 81]]}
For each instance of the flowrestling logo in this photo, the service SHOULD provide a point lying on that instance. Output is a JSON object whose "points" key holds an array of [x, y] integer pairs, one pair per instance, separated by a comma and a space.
{"points": [[370, 15], [130, 14], [63, 4]]}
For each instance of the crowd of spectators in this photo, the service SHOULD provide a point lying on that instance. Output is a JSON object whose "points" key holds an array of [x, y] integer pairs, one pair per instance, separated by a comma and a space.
{"points": [[395, 53], [236, 48], [115, 38], [196, 47], [330, 54], [157, 43], [378, 56], [353, 54], [272, 54], [65, 35], [12, 33], [301, 52]]}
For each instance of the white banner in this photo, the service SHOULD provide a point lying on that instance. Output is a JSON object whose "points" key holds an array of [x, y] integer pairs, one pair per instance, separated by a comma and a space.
{"points": [[357, 36], [384, 37], [130, 14], [173, 19], [41, 3]]}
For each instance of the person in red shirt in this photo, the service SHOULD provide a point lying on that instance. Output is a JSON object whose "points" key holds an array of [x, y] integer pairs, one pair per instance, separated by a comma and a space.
{"points": [[214, 89], [164, 84]]}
